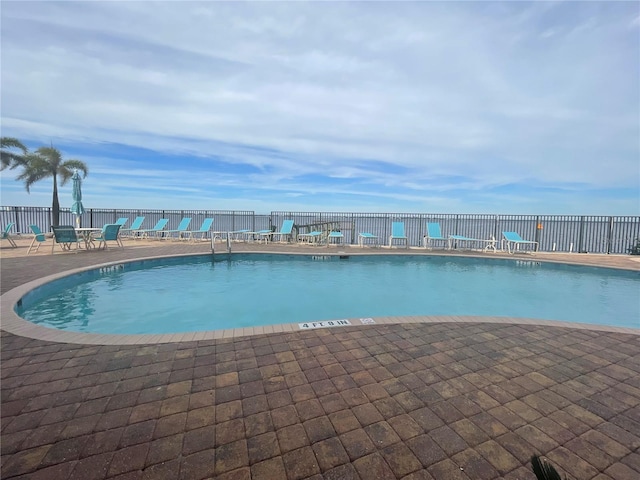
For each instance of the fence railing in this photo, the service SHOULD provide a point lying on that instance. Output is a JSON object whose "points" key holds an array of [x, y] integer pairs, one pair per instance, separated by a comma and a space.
{"points": [[562, 233]]}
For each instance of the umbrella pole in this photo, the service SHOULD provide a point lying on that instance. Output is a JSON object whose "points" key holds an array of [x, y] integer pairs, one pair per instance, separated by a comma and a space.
{"points": [[77, 221]]}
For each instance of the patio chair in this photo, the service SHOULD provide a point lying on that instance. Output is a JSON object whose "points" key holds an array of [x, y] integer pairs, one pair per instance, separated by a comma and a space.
{"points": [[285, 231], [122, 221], [110, 233], [182, 228], [6, 236], [367, 236], [38, 238], [158, 228], [513, 240], [202, 232], [397, 233], [434, 234], [65, 236], [134, 227]]}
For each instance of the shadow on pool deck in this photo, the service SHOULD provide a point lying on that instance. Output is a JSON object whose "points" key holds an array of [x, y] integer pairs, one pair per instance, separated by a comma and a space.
{"points": [[415, 401]]}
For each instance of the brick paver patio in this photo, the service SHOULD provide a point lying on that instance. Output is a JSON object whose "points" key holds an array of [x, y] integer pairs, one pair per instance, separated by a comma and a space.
{"points": [[406, 401]]}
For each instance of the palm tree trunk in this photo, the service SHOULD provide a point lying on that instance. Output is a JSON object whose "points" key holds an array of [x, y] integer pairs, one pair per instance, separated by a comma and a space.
{"points": [[55, 207]]}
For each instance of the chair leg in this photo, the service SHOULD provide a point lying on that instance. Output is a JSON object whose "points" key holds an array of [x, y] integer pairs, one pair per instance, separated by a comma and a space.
{"points": [[31, 246]]}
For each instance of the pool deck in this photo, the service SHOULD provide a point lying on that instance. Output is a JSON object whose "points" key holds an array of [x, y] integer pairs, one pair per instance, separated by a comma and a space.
{"points": [[425, 398]]}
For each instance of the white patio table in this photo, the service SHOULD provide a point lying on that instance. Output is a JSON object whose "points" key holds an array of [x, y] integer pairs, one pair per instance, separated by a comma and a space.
{"points": [[87, 235]]}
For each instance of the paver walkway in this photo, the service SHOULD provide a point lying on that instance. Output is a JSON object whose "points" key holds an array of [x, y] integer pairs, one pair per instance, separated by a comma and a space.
{"points": [[412, 401]]}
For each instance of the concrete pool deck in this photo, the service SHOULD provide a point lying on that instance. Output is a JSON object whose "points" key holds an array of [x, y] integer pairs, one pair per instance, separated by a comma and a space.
{"points": [[444, 399]]}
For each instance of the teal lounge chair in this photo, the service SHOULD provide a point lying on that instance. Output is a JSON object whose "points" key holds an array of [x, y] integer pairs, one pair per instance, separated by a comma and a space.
{"points": [[397, 233], [285, 231], [158, 228], [260, 235], [310, 237], [241, 235], [65, 236], [122, 221], [513, 241], [455, 240], [202, 233], [110, 233], [6, 236], [134, 227], [180, 231], [38, 238], [337, 235], [459, 240], [434, 234], [367, 236]]}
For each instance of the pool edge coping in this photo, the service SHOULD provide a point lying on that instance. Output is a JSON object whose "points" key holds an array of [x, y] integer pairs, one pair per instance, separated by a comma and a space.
{"points": [[12, 323]]}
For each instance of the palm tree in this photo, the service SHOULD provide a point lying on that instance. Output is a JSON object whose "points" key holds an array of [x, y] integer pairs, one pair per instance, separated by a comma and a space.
{"points": [[11, 159], [47, 162]]}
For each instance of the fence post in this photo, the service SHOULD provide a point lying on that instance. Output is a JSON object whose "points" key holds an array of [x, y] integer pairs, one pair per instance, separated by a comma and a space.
{"points": [[17, 219], [580, 239], [537, 235], [610, 235], [353, 229]]}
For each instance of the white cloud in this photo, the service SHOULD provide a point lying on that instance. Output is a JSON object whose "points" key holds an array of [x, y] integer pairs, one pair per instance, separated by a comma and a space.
{"points": [[513, 91]]}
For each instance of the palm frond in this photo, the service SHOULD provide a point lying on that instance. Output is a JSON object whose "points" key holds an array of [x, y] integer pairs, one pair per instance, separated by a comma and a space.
{"points": [[35, 169], [53, 156], [8, 158], [543, 470], [67, 168], [10, 142], [76, 165]]}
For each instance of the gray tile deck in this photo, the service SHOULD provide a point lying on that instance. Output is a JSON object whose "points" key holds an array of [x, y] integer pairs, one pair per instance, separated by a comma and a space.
{"points": [[439, 400]]}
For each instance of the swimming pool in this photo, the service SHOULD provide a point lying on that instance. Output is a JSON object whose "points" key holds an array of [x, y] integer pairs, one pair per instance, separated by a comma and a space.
{"points": [[196, 293]]}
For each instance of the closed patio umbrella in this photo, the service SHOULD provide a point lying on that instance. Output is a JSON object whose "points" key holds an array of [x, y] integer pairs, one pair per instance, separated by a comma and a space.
{"points": [[77, 208]]}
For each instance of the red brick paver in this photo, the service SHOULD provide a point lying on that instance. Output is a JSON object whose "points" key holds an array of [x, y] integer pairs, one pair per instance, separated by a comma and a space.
{"points": [[412, 401]]}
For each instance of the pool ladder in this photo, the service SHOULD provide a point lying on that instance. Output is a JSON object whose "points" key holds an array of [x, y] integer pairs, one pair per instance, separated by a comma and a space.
{"points": [[213, 243]]}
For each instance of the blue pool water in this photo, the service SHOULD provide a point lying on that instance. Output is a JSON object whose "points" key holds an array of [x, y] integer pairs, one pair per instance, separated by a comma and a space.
{"points": [[195, 293]]}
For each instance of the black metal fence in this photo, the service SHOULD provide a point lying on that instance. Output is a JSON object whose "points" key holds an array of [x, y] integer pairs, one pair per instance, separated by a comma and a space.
{"points": [[562, 233]]}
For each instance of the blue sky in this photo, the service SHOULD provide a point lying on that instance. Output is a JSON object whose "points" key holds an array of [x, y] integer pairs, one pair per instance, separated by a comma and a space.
{"points": [[428, 107]]}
